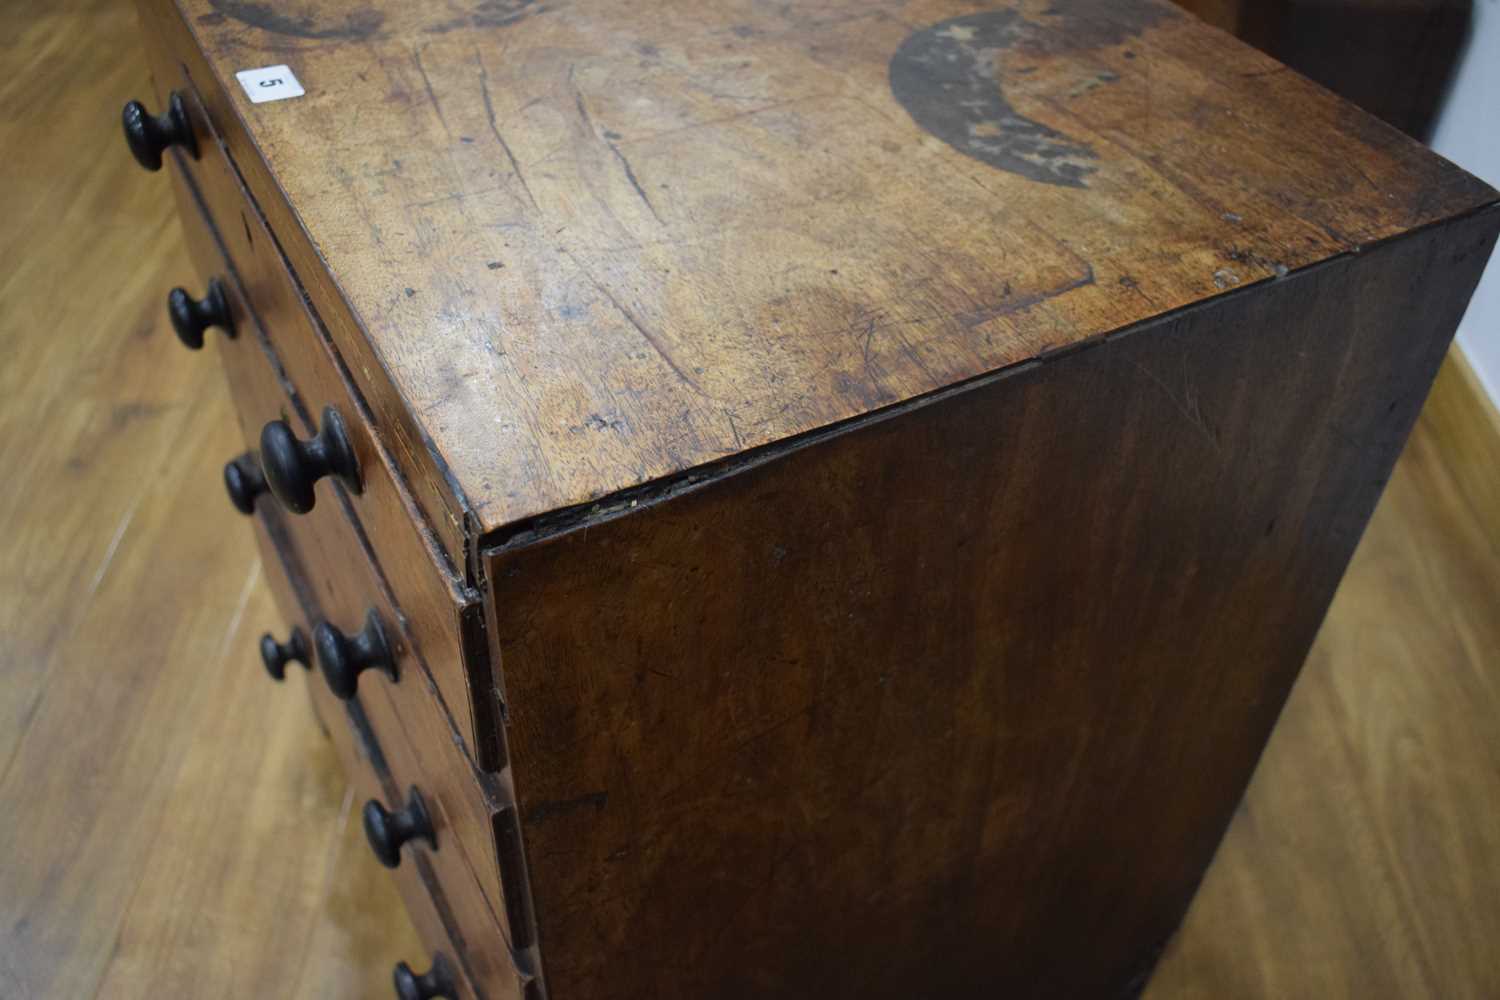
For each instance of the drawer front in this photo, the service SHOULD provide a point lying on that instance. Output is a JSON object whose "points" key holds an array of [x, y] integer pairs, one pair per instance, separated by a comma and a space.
{"points": [[344, 584], [445, 619], [263, 392], [475, 823], [375, 747], [430, 908], [469, 809], [177, 64]]}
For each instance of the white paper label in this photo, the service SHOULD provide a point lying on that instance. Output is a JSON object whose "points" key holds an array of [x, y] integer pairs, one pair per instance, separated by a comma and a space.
{"points": [[269, 83]]}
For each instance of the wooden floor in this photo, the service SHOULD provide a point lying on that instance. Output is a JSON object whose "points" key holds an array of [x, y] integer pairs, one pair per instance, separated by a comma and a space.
{"points": [[172, 823]]}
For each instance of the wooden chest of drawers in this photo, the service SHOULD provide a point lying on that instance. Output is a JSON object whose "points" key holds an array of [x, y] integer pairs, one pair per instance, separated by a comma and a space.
{"points": [[788, 500]]}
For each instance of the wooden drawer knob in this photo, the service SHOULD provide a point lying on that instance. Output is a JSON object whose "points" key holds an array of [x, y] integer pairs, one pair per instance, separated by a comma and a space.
{"points": [[387, 830], [149, 135], [276, 655], [344, 657], [191, 317], [293, 467], [435, 982], [244, 482]]}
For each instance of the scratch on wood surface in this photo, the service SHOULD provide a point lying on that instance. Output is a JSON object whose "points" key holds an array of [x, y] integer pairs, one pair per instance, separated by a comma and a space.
{"points": [[231, 632], [975, 317], [489, 114], [640, 327], [737, 116], [1192, 413], [739, 442], [718, 757], [416, 57], [332, 874], [630, 176], [583, 110], [873, 326], [1128, 282], [22, 724], [1149, 115], [588, 123], [866, 327], [453, 196], [111, 549]]}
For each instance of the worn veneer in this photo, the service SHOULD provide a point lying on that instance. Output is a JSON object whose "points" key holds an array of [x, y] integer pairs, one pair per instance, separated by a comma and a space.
{"points": [[719, 227]]}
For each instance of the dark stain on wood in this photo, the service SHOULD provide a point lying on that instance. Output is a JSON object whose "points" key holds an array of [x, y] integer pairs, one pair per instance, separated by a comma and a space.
{"points": [[359, 23], [491, 14], [1082, 25], [947, 76], [543, 811]]}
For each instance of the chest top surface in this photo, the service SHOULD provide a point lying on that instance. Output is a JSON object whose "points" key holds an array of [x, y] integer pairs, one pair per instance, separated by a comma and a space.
{"points": [[594, 244]]}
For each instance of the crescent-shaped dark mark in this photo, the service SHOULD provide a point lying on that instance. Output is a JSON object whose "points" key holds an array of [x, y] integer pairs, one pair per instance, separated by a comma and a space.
{"points": [[948, 78]]}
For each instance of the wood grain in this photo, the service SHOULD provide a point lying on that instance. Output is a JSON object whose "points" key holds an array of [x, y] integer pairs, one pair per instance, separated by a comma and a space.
{"points": [[543, 197], [1465, 426], [916, 708], [1362, 863]]}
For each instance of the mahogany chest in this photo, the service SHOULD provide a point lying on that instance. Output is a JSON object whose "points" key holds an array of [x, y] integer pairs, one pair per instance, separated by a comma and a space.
{"points": [[806, 500]]}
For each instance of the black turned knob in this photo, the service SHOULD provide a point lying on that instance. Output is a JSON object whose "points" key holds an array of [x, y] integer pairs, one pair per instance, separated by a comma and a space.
{"points": [[344, 657], [294, 467], [243, 480], [434, 983], [276, 655], [149, 135], [190, 316], [387, 830]]}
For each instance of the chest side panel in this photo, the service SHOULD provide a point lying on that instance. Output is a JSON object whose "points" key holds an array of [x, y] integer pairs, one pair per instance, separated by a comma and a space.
{"points": [[938, 706]]}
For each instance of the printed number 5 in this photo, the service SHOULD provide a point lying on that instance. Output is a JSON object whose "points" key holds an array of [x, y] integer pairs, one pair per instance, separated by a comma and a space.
{"points": [[271, 83]]}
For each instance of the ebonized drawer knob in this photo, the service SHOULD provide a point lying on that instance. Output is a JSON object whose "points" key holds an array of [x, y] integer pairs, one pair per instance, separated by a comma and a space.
{"points": [[149, 135], [387, 830], [243, 481], [276, 655], [344, 657], [435, 982], [293, 467], [191, 317]]}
